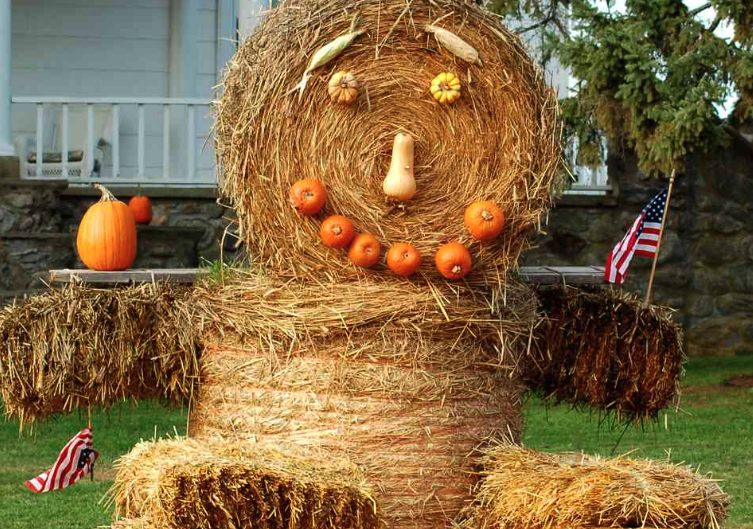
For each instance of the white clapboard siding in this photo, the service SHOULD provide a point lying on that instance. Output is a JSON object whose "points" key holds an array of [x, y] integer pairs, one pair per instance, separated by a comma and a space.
{"points": [[114, 48]]}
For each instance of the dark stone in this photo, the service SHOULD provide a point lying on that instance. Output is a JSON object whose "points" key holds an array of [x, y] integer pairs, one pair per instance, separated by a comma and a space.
{"points": [[714, 336], [747, 247], [711, 281], [700, 306], [7, 219], [735, 304], [565, 244], [742, 278], [715, 250], [19, 200]]}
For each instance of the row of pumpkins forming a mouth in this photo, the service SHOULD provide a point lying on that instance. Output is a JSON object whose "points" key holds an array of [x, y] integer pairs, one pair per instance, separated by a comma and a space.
{"points": [[483, 219], [106, 238]]}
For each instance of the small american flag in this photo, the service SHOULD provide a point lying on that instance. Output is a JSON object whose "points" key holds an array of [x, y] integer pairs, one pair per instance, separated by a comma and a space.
{"points": [[76, 459], [641, 239]]}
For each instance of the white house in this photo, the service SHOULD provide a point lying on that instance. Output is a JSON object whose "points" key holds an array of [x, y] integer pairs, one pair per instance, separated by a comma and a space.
{"points": [[119, 89]]}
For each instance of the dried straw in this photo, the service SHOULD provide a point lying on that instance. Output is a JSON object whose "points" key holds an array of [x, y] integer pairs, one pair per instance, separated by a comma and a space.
{"points": [[173, 484], [380, 373], [535, 490], [602, 348], [499, 142], [79, 346]]}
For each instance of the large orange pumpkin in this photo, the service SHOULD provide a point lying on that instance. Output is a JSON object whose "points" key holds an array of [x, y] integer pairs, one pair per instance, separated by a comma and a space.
{"points": [[106, 237], [142, 209]]}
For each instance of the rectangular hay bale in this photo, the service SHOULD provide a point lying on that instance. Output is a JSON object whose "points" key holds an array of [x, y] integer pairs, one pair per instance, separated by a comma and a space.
{"points": [[174, 484], [537, 490]]}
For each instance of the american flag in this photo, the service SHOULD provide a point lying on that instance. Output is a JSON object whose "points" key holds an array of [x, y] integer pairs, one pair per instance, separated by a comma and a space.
{"points": [[76, 459], [641, 239]]}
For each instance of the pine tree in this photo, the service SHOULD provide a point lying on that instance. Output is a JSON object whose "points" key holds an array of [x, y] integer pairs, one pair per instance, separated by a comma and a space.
{"points": [[650, 76]]}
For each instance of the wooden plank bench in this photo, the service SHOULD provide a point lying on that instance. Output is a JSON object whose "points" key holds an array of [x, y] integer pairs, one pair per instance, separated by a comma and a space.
{"points": [[543, 275]]}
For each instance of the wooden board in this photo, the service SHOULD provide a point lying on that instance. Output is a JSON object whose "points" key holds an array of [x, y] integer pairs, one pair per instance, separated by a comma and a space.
{"points": [[174, 275], [567, 275], [544, 275]]}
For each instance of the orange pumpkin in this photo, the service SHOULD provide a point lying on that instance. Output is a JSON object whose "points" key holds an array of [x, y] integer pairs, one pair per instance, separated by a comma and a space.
{"points": [[106, 238], [453, 260], [484, 220], [403, 259], [141, 207], [365, 250], [308, 196], [337, 231]]}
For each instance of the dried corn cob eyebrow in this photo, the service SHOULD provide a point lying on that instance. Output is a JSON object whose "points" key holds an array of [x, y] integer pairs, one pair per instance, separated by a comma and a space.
{"points": [[460, 48], [326, 53]]}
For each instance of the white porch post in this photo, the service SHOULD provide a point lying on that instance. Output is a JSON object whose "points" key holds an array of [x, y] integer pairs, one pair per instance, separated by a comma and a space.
{"points": [[6, 145]]}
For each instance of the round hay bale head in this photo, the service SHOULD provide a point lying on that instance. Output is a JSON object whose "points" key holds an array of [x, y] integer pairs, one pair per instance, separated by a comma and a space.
{"points": [[500, 141], [412, 427]]}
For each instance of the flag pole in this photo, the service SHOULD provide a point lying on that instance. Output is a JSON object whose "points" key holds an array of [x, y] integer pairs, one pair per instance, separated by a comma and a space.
{"points": [[91, 473], [658, 243]]}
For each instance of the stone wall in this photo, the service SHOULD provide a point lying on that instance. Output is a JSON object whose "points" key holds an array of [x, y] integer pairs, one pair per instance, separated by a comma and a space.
{"points": [[39, 219], [705, 266]]}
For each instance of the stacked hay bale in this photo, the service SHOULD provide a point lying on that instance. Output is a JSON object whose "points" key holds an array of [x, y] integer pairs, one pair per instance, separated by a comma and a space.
{"points": [[500, 141], [403, 384], [407, 377]]}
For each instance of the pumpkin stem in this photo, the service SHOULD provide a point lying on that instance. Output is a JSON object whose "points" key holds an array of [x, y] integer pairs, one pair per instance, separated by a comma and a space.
{"points": [[337, 230], [486, 215], [457, 269], [107, 196]]}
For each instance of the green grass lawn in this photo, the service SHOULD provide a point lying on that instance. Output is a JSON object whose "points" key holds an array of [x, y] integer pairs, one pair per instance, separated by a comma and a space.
{"points": [[713, 431]]}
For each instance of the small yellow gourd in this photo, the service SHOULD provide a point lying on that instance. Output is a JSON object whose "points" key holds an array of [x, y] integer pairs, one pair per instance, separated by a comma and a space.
{"points": [[445, 88], [400, 183], [343, 88]]}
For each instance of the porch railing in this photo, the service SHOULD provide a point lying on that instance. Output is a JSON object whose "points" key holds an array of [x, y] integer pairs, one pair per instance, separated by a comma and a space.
{"points": [[78, 149], [169, 151]]}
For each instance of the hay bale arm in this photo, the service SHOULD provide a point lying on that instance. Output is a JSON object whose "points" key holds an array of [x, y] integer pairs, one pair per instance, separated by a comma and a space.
{"points": [[602, 348], [77, 347]]}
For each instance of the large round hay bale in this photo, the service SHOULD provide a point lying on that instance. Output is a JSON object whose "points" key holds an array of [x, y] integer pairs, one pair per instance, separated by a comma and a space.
{"points": [[498, 142], [409, 398]]}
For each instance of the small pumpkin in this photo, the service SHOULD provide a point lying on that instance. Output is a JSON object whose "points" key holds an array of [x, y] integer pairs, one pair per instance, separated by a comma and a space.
{"points": [[453, 260], [106, 238], [365, 250], [337, 231], [343, 88], [484, 220], [399, 182], [308, 196], [141, 207], [403, 259], [445, 88]]}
